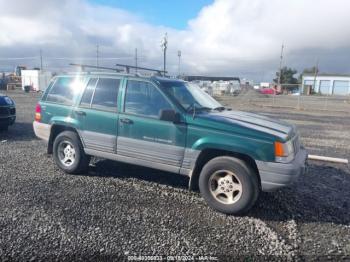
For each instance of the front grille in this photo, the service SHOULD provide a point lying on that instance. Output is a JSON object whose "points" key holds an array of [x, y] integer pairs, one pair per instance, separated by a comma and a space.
{"points": [[4, 111], [13, 111]]}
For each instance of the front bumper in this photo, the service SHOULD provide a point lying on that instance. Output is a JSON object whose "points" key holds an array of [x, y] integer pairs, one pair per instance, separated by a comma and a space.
{"points": [[7, 115], [276, 175]]}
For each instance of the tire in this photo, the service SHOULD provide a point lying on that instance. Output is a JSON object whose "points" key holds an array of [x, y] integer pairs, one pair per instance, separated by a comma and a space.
{"points": [[4, 128], [234, 196], [69, 154]]}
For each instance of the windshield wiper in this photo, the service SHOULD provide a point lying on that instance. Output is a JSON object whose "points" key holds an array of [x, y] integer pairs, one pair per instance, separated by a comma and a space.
{"points": [[195, 108], [220, 108]]}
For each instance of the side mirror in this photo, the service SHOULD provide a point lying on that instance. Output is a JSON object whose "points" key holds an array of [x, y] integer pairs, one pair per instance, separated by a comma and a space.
{"points": [[169, 115]]}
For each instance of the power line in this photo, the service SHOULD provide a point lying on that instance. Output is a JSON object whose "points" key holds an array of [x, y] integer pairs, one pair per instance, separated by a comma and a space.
{"points": [[19, 58], [66, 58]]}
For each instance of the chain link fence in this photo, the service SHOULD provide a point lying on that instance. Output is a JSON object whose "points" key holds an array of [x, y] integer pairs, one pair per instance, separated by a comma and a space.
{"points": [[290, 96]]}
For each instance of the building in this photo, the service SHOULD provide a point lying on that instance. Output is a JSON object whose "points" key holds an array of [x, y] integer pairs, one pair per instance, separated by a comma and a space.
{"points": [[327, 84], [37, 80], [216, 85]]}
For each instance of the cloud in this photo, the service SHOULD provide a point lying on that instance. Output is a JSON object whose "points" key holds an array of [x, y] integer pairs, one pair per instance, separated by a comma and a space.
{"points": [[227, 37]]}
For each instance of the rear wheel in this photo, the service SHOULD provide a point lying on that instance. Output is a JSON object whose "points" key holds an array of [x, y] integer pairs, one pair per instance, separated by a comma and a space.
{"points": [[229, 185], [69, 154]]}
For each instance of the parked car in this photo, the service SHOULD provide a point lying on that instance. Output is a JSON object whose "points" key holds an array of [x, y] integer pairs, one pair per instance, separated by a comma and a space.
{"points": [[7, 112], [170, 125], [269, 91]]}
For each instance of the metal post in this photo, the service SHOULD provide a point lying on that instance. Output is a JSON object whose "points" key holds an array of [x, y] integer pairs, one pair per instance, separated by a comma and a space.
{"points": [[315, 75], [298, 106]]}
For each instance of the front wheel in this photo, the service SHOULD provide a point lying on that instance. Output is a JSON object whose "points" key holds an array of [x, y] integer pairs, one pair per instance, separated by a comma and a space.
{"points": [[69, 154], [229, 185]]}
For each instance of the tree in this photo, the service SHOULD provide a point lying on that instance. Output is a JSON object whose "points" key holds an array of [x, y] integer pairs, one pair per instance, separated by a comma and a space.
{"points": [[308, 71], [287, 76]]}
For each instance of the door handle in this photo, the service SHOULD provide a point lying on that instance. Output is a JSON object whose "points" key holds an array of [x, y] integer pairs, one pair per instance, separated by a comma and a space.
{"points": [[126, 121], [81, 113]]}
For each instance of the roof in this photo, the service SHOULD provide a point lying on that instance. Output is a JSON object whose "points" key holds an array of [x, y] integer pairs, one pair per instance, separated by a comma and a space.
{"points": [[122, 74], [211, 78], [166, 79], [327, 74]]}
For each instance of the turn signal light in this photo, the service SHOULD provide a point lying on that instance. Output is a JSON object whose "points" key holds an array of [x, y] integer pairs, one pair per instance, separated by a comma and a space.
{"points": [[280, 150], [37, 116]]}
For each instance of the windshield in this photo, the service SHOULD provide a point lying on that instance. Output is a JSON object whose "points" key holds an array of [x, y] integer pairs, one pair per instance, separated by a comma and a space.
{"points": [[190, 96]]}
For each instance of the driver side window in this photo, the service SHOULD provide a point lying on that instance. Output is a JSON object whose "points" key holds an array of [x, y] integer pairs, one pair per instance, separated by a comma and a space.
{"points": [[143, 98]]}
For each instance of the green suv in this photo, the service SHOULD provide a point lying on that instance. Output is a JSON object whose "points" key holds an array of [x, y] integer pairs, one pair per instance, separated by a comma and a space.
{"points": [[171, 125]]}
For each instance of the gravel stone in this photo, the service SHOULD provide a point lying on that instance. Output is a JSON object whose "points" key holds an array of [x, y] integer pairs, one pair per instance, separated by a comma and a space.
{"points": [[118, 210]]}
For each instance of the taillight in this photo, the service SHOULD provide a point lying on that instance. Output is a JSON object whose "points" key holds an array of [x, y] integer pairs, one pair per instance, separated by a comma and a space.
{"points": [[37, 113]]}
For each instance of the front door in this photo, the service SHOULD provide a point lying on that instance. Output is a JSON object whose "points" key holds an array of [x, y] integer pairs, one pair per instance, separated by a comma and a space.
{"points": [[98, 114], [142, 136]]}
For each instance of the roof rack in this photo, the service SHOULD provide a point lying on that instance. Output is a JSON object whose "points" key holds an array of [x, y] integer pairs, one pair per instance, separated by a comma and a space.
{"points": [[97, 67], [127, 69]]}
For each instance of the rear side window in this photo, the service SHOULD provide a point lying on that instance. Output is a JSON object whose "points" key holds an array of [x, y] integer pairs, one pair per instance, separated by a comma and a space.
{"points": [[89, 91], [65, 90], [106, 94]]}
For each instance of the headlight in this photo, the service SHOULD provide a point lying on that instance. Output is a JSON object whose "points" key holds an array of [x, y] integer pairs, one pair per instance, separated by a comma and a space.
{"points": [[8, 100], [284, 152]]}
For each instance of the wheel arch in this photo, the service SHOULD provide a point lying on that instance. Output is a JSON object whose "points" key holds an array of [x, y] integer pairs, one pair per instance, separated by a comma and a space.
{"points": [[56, 129], [208, 154]]}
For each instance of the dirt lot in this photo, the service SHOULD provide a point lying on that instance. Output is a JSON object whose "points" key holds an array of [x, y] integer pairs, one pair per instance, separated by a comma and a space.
{"points": [[118, 210]]}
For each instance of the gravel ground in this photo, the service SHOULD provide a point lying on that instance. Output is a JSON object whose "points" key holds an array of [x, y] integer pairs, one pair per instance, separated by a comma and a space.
{"points": [[118, 210]]}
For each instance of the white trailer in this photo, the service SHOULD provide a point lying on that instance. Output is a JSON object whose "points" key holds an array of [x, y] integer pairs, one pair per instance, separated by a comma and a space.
{"points": [[38, 80]]}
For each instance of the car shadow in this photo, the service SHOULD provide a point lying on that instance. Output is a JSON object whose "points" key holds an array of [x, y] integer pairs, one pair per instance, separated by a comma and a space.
{"points": [[107, 168], [20, 131], [322, 195]]}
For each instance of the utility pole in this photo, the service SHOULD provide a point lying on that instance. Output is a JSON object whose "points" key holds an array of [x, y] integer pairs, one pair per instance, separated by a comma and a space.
{"points": [[136, 60], [164, 46], [41, 60], [280, 69], [279, 74], [97, 55], [179, 55], [315, 76]]}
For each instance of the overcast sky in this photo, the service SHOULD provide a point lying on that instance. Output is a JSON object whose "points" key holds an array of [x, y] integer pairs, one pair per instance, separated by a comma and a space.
{"points": [[222, 37]]}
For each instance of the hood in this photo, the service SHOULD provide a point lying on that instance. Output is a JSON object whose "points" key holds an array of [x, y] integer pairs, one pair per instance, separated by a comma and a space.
{"points": [[264, 124], [3, 101]]}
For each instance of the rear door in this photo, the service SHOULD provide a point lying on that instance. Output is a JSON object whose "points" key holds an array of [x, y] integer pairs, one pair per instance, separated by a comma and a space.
{"points": [[98, 114], [144, 138]]}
